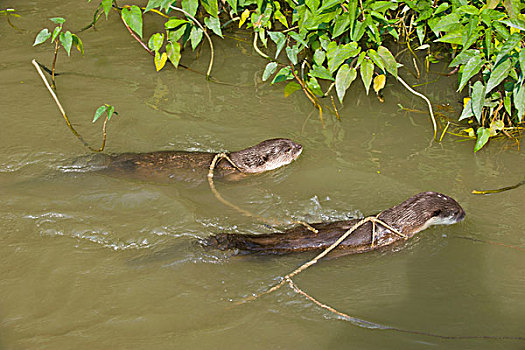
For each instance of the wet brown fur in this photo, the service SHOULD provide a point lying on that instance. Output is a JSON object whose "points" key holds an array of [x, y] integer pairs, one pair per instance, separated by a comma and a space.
{"points": [[183, 165], [409, 217]]}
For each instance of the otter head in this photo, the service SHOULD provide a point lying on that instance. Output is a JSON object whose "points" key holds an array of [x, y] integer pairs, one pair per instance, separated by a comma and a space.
{"points": [[423, 210], [267, 155]]}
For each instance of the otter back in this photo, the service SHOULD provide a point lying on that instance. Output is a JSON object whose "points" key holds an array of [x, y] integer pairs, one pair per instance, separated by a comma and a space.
{"points": [[409, 217]]}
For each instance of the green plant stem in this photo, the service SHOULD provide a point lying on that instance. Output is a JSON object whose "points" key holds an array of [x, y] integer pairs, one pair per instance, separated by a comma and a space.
{"points": [[53, 67], [424, 98], [205, 33]]}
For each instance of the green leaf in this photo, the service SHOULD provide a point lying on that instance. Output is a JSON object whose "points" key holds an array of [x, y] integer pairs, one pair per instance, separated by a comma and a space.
{"points": [[507, 103], [269, 70], [78, 43], [100, 110], [329, 4], [314, 86], [290, 88], [155, 41], [42, 36], [455, 37], [467, 111], [173, 53], [320, 72], [55, 33], [498, 74], [519, 100], [106, 5], [175, 35], [110, 110], [211, 7], [515, 23], [284, 74], [522, 61], [464, 57], [233, 4], [337, 54], [478, 99], [376, 59], [195, 37], [279, 39], [342, 23], [298, 38], [153, 4], [483, 137], [512, 43], [472, 67], [160, 60], [67, 40], [388, 60], [344, 78], [133, 18], [495, 126], [174, 23], [57, 20], [367, 71], [420, 31], [319, 56], [292, 52], [446, 23], [278, 15], [190, 6], [214, 24]]}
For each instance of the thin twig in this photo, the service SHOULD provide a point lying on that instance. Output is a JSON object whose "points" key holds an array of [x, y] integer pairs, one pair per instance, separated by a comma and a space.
{"points": [[424, 98], [205, 33], [59, 105]]}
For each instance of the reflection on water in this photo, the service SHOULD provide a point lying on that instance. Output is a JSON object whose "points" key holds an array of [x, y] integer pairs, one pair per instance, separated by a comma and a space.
{"points": [[91, 261]]}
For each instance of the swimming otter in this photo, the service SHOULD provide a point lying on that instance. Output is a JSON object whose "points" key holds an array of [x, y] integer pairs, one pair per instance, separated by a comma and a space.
{"points": [[183, 165], [409, 217]]}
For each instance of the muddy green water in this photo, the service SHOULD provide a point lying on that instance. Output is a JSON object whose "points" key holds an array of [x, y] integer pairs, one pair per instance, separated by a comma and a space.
{"points": [[94, 262]]}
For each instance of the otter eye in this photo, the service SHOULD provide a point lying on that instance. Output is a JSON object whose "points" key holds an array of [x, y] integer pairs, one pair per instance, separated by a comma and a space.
{"points": [[436, 212], [287, 149]]}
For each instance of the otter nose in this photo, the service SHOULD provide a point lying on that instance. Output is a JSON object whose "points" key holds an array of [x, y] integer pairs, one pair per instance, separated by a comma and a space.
{"points": [[299, 147]]}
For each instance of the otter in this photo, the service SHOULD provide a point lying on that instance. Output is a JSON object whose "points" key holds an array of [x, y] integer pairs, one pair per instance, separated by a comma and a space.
{"points": [[184, 165], [409, 217]]}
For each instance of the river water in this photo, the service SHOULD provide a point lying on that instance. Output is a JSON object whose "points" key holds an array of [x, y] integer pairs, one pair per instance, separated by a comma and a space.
{"points": [[96, 262]]}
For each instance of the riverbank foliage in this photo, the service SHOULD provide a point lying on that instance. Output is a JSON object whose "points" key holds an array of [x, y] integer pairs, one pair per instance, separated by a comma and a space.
{"points": [[332, 43]]}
